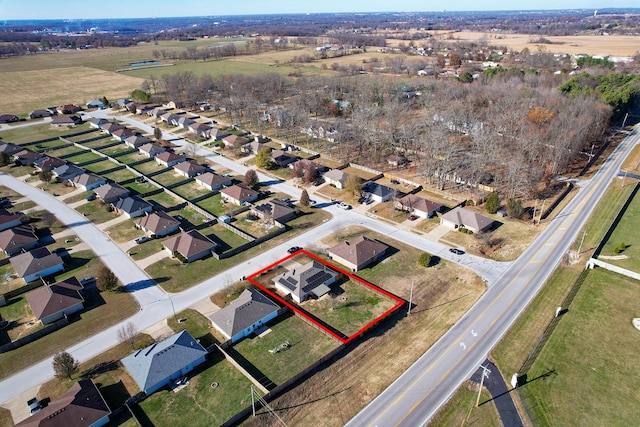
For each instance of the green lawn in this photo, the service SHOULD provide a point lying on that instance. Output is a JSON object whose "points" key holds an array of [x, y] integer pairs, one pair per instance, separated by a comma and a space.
{"points": [[37, 132], [168, 178], [626, 232], [148, 167], [115, 149], [104, 140], [139, 187], [100, 166], [146, 249], [48, 145], [96, 212], [190, 190], [591, 355], [124, 231], [204, 404], [307, 344], [461, 409], [85, 157], [215, 205], [195, 323], [130, 158], [19, 312], [349, 307], [164, 199], [120, 175], [64, 151], [79, 138]]}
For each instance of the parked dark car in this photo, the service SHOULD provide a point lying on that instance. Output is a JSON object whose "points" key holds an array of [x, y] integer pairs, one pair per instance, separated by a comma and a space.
{"points": [[456, 251], [293, 249], [91, 197]]}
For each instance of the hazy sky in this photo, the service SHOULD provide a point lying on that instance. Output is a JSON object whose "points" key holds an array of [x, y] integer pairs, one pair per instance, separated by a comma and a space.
{"points": [[76, 9]]}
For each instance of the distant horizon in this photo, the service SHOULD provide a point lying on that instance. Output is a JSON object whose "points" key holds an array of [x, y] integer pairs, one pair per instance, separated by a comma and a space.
{"points": [[12, 10]]}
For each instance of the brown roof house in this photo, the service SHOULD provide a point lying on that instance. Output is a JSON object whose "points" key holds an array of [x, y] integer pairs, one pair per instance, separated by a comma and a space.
{"points": [[283, 158], [81, 406], [110, 193], [68, 109], [238, 194], [52, 302], [158, 224], [26, 157], [69, 121], [36, 263], [191, 245], [15, 240], [200, 130], [111, 127], [88, 181], [122, 134], [8, 219], [312, 279], [234, 141], [275, 210], [47, 164], [218, 134], [418, 206], [213, 181], [461, 217], [189, 169], [169, 158], [358, 253], [244, 315], [135, 141]]}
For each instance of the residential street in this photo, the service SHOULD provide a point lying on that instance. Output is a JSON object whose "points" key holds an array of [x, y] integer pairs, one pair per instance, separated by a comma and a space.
{"points": [[156, 305]]}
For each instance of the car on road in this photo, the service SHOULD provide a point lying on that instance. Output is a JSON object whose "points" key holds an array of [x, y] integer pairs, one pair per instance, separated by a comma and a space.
{"points": [[456, 251], [140, 240], [34, 405], [343, 205], [293, 249]]}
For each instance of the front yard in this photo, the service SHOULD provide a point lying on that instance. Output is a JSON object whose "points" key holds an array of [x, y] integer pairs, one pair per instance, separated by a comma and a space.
{"points": [[96, 212]]}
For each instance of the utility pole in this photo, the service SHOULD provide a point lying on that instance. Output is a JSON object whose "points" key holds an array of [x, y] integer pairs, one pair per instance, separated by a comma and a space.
{"points": [[410, 298], [485, 373], [253, 402], [541, 211], [581, 241], [535, 207]]}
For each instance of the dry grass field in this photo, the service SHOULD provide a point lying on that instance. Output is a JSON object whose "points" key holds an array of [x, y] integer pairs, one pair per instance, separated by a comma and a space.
{"points": [[50, 87]]}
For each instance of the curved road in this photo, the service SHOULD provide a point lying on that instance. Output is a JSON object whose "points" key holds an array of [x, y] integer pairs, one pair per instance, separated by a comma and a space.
{"points": [[156, 305], [427, 385]]}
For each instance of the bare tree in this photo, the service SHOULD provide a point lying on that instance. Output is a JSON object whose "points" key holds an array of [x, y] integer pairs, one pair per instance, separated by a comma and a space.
{"points": [[127, 334]]}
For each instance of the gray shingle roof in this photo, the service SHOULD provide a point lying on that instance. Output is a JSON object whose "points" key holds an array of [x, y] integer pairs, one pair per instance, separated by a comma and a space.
{"points": [[34, 261], [155, 363], [250, 307], [132, 204], [301, 281]]}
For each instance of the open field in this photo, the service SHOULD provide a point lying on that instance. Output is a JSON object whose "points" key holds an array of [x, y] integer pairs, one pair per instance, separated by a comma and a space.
{"points": [[58, 86], [616, 45], [28, 134], [590, 356], [308, 344], [626, 232]]}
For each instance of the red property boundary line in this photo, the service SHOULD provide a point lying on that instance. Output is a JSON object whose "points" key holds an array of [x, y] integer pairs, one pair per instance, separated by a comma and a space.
{"points": [[399, 301]]}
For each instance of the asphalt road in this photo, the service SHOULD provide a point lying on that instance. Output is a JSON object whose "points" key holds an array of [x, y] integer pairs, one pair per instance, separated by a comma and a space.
{"points": [[156, 305], [427, 385]]}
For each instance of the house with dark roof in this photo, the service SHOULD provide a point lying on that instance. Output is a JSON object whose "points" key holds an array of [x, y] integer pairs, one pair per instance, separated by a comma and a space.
{"points": [[156, 366], [244, 315], [98, 122], [190, 245], [213, 181], [283, 158], [66, 172], [169, 158], [169, 117], [26, 157], [378, 192], [132, 207], [47, 164], [68, 109], [38, 114], [158, 224], [358, 253], [111, 127], [81, 406], [309, 280], [275, 210], [88, 181], [418, 206], [35, 264], [234, 141], [183, 122], [109, 193], [17, 239], [52, 302], [189, 169], [135, 141], [238, 194], [61, 121], [9, 148], [8, 219], [151, 149], [461, 217]]}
